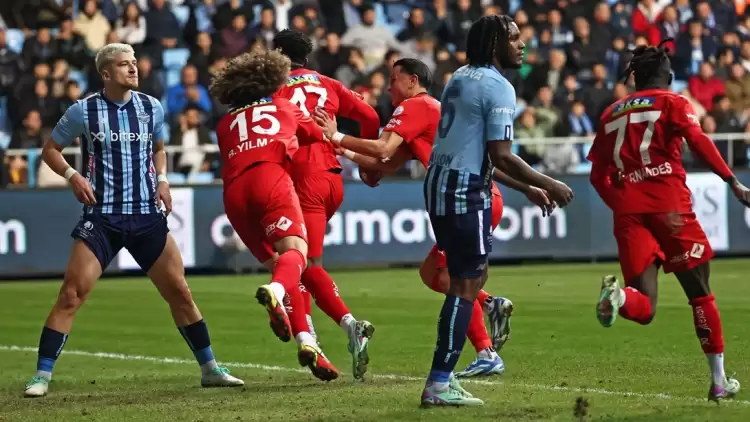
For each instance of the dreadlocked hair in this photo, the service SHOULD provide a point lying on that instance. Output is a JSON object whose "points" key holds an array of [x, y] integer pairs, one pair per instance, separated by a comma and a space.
{"points": [[249, 77], [487, 35], [295, 45], [650, 65]]}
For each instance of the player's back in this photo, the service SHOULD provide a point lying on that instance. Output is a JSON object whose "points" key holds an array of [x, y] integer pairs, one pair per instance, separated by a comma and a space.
{"points": [[639, 145], [263, 131]]}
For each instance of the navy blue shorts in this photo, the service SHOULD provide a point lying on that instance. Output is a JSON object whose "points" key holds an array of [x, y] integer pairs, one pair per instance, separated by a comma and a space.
{"points": [[144, 236], [466, 240]]}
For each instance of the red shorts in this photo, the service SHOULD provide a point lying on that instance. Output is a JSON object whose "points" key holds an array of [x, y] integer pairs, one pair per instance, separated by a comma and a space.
{"points": [[320, 195], [497, 215], [262, 206], [674, 240]]}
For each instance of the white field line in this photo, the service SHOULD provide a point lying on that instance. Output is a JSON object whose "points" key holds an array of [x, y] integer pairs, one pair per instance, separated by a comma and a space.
{"points": [[540, 387]]}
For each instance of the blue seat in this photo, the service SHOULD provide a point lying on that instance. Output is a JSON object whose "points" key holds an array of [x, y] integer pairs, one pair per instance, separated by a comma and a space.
{"points": [[165, 132], [678, 85], [380, 16], [182, 13], [583, 168], [201, 178], [257, 9], [175, 58], [80, 78], [397, 12], [15, 39], [4, 140], [396, 27], [172, 77], [176, 178], [215, 139]]}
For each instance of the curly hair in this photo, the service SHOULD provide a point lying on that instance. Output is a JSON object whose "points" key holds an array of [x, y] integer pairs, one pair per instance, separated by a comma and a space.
{"points": [[293, 44], [249, 77], [650, 66]]}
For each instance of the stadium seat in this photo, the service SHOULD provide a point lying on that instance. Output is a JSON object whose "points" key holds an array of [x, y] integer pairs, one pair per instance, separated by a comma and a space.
{"points": [[380, 16], [396, 27], [165, 132], [15, 38], [79, 77], [583, 168], [201, 178], [397, 12], [176, 178], [678, 85], [4, 140], [214, 138], [172, 77], [175, 58], [182, 13], [256, 14]]}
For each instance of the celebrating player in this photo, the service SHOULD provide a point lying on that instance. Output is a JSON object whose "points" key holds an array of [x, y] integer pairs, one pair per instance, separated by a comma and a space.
{"points": [[316, 173], [475, 133], [123, 188], [637, 171], [410, 133], [257, 139]]}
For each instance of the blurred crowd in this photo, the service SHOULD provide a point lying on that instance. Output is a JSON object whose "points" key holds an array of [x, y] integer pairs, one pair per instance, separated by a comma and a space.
{"points": [[576, 52]]}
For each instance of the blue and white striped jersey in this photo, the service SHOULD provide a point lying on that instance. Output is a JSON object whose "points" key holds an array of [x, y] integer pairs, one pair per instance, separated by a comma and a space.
{"points": [[477, 106], [117, 145]]}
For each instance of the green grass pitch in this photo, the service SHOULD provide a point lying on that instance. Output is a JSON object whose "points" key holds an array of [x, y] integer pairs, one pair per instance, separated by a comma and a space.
{"points": [[557, 353]]}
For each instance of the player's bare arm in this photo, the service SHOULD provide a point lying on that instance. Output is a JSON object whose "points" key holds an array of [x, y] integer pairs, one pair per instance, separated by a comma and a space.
{"points": [[535, 195], [162, 189], [503, 159], [52, 156], [385, 166], [382, 148]]}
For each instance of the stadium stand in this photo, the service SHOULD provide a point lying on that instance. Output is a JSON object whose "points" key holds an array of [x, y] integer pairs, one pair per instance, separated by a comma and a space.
{"points": [[576, 52]]}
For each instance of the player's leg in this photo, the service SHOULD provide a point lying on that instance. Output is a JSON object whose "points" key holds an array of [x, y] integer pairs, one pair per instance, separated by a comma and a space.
{"points": [[687, 245], [466, 240], [92, 251], [640, 256], [156, 252]]}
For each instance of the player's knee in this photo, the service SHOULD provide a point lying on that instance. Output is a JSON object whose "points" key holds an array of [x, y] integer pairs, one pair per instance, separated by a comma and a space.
{"points": [[71, 298], [292, 243], [180, 296]]}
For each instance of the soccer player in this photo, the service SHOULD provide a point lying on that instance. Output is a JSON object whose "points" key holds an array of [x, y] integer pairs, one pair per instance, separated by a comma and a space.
{"points": [[122, 188], [257, 140], [410, 133], [475, 133], [316, 173], [637, 171]]}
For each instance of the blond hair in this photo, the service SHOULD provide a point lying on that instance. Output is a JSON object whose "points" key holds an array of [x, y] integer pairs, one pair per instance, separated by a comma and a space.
{"points": [[106, 55]]}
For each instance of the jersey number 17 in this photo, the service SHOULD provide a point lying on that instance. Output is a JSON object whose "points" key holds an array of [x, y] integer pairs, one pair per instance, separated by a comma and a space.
{"points": [[620, 125]]}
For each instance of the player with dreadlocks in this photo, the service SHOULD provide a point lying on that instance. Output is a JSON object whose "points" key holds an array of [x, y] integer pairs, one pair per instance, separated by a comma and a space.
{"points": [[475, 134], [637, 171]]}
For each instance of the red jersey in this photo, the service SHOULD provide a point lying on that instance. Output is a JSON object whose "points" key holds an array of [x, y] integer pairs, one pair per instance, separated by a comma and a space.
{"points": [[264, 131], [637, 153], [310, 90]]}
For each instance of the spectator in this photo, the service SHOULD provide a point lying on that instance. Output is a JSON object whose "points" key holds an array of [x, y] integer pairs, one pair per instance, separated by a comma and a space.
{"points": [[597, 96], [370, 38], [566, 93], [131, 27], [647, 14], [331, 56], [601, 28], [727, 121], [614, 58], [70, 46], [11, 67], [460, 20], [72, 94], [422, 47], [705, 86], [202, 56], [317, 29], [550, 74], [583, 52], [725, 59], [92, 26], [265, 29], [203, 14], [24, 92], [685, 10], [354, 70], [621, 21], [667, 27], [415, 25], [235, 39], [190, 134], [707, 18], [738, 89], [693, 49], [577, 121], [561, 36], [546, 115], [745, 55], [35, 14], [226, 12], [30, 135], [148, 82], [528, 131], [282, 9], [38, 49], [41, 102], [162, 29], [299, 24], [697, 107], [743, 27], [188, 92]]}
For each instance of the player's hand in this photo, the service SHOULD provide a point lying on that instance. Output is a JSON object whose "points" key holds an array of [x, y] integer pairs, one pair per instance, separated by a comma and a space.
{"points": [[741, 192], [325, 122], [164, 196], [560, 193], [370, 177], [540, 198], [82, 190]]}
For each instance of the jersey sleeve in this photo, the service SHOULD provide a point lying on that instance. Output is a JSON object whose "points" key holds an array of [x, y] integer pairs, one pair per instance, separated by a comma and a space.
{"points": [[353, 106], [308, 131], [408, 120], [499, 108], [158, 121], [69, 127]]}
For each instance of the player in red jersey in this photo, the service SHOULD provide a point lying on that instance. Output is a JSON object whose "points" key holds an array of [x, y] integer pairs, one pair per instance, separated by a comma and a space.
{"points": [[410, 134], [316, 173], [637, 171], [257, 140]]}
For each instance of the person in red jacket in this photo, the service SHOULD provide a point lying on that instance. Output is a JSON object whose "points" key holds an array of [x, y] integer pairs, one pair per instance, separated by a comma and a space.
{"points": [[705, 86]]}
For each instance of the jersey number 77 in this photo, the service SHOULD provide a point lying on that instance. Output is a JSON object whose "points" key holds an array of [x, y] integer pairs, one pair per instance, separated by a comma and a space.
{"points": [[621, 127]]}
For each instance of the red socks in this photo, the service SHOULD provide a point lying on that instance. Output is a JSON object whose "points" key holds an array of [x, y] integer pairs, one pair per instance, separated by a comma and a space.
{"points": [[708, 324], [306, 299], [637, 306], [477, 333], [287, 272], [325, 292]]}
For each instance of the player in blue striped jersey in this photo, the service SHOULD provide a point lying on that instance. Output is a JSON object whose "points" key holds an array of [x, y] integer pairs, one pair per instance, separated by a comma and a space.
{"points": [[474, 135], [122, 188]]}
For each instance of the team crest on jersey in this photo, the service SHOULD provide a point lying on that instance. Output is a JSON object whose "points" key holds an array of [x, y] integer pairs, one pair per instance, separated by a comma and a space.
{"points": [[634, 103], [398, 110], [301, 79], [144, 117]]}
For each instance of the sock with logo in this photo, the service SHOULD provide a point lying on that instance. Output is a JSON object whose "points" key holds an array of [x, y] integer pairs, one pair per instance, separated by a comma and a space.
{"points": [[51, 343], [708, 328], [325, 292], [288, 270], [637, 306], [477, 332], [197, 338], [452, 327]]}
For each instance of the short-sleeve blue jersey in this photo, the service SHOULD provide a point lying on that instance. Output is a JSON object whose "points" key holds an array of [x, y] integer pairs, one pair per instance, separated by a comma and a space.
{"points": [[117, 147], [477, 107]]}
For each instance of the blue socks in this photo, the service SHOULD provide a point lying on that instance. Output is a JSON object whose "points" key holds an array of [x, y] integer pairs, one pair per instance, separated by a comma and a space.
{"points": [[51, 344], [197, 338], [452, 327]]}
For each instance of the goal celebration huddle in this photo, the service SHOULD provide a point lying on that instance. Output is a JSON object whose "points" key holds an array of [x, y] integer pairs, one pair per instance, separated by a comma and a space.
{"points": [[282, 183]]}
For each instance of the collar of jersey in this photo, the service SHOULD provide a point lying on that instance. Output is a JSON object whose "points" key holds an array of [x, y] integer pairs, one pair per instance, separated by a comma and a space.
{"points": [[104, 97]]}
